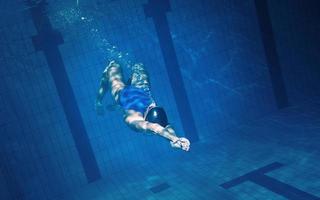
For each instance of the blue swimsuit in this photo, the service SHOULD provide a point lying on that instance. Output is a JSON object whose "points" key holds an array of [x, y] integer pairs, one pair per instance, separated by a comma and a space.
{"points": [[133, 98]]}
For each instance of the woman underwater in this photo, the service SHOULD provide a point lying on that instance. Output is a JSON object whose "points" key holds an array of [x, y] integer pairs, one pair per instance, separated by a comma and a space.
{"points": [[140, 110]]}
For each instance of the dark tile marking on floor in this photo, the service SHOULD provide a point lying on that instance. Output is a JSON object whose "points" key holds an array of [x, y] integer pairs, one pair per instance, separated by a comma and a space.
{"points": [[48, 41], [271, 54], [247, 176], [157, 9], [159, 188], [258, 177]]}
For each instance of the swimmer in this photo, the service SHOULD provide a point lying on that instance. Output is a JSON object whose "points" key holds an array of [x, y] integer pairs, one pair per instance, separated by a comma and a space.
{"points": [[140, 110]]}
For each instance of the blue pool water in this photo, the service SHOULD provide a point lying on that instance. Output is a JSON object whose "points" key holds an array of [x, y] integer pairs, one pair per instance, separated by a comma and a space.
{"points": [[239, 79]]}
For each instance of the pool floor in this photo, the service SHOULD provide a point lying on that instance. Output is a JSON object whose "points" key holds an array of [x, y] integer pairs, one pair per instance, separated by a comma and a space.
{"points": [[273, 158]]}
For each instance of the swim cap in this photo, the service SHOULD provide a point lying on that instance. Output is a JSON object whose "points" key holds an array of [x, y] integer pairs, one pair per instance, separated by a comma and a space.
{"points": [[157, 115]]}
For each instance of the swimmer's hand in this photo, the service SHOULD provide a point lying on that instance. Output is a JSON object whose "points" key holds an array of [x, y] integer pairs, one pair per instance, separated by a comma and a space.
{"points": [[99, 108], [182, 143]]}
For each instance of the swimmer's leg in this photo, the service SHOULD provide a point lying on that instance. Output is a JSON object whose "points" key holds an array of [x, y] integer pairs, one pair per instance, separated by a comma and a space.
{"points": [[140, 78], [114, 76]]}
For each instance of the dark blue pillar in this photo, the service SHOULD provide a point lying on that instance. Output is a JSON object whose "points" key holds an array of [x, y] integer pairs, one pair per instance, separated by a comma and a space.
{"points": [[270, 49], [258, 177], [47, 41], [157, 9]]}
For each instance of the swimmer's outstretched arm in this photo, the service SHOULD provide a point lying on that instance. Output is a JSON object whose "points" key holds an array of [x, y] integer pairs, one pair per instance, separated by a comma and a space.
{"points": [[137, 122]]}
